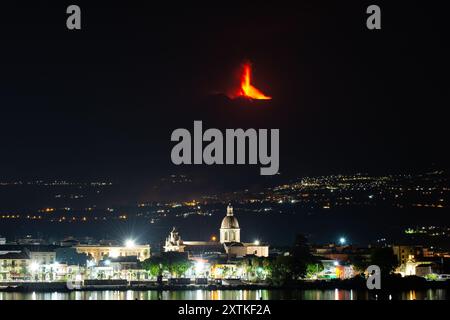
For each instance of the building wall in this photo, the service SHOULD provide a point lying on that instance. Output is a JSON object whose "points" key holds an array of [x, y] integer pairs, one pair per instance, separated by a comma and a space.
{"points": [[404, 253], [230, 235], [248, 249], [43, 257], [238, 251], [174, 248], [8, 266], [142, 252], [259, 251]]}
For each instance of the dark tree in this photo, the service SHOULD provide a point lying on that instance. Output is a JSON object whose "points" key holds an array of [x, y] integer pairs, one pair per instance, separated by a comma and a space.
{"points": [[385, 259]]}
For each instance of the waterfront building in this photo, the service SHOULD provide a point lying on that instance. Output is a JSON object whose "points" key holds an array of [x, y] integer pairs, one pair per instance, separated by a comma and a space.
{"points": [[227, 270], [41, 255], [30, 262], [100, 252], [13, 265], [333, 269], [38, 254], [125, 267]]}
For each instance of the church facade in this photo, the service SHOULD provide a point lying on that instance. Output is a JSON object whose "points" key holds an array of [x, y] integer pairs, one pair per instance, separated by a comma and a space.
{"points": [[229, 241]]}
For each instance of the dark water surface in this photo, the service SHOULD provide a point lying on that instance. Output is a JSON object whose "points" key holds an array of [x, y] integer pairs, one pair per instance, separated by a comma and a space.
{"points": [[330, 294]]}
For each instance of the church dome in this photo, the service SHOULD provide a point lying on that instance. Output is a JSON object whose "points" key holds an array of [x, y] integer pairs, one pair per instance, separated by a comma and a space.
{"points": [[229, 229], [229, 222]]}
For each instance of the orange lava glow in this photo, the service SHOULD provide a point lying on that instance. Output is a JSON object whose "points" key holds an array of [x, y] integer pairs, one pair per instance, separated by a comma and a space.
{"points": [[247, 90]]}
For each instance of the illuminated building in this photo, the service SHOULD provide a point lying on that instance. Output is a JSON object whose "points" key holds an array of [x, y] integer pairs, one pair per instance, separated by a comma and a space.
{"points": [[229, 229], [98, 252], [13, 264], [407, 253], [230, 236]]}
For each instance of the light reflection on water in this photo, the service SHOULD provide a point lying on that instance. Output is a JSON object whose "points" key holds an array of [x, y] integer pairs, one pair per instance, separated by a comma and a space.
{"points": [[337, 294]]}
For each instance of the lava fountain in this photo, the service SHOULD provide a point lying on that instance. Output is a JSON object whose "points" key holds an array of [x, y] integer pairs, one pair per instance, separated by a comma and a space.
{"points": [[247, 90]]}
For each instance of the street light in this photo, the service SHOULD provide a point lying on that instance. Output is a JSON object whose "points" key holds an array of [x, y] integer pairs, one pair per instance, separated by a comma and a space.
{"points": [[256, 242], [199, 266], [34, 266], [342, 240], [129, 243]]}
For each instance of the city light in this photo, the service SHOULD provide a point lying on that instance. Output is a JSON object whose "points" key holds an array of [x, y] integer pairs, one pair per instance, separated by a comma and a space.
{"points": [[129, 243], [90, 263], [336, 263], [256, 242], [34, 266], [199, 266], [213, 238], [114, 253], [107, 262], [342, 240]]}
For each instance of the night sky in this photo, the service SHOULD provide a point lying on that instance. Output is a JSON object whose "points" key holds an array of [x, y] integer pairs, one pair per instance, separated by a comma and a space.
{"points": [[101, 103]]}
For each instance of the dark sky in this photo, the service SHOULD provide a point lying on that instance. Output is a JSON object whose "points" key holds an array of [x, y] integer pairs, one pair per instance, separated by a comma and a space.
{"points": [[102, 102]]}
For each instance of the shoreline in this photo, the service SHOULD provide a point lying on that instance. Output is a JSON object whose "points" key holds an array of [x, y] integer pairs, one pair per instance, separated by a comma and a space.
{"points": [[391, 285]]}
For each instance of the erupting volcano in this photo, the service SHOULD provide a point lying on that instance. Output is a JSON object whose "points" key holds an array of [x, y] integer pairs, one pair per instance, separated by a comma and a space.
{"points": [[246, 89]]}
